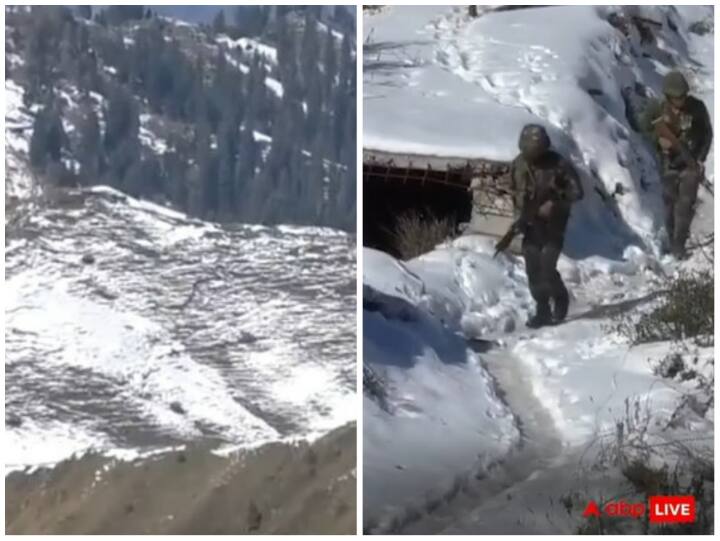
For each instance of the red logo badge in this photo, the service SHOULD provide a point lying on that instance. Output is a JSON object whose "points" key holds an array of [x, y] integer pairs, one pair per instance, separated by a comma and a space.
{"points": [[592, 510], [665, 509]]}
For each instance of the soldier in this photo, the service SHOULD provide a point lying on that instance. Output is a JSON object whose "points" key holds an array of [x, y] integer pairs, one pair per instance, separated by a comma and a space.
{"points": [[544, 187], [680, 128]]}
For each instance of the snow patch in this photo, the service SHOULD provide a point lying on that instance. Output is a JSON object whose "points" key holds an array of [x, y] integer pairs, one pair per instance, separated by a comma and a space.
{"points": [[274, 85], [122, 345], [261, 137], [249, 46]]}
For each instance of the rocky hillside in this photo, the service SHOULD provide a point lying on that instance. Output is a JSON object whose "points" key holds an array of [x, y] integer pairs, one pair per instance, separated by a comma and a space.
{"points": [[276, 489]]}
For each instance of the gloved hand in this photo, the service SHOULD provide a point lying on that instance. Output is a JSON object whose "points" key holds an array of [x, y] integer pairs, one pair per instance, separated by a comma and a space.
{"points": [[546, 209]]}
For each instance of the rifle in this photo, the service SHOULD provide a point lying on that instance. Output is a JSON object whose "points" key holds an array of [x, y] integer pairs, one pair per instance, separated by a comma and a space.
{"points": [[516, 228], [664, 131]]}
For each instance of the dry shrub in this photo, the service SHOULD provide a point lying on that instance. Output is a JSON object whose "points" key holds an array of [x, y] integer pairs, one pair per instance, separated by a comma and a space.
{"points": [[685, 312], [417, 233]]}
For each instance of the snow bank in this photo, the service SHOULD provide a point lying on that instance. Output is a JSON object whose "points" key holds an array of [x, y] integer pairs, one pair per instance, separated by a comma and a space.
{"points": [[437, 391], [461, 284]]}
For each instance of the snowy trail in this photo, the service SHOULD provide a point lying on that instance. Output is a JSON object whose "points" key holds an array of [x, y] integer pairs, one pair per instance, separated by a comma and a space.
{"points": [[539, 446], [556, 389], [557, 421]]}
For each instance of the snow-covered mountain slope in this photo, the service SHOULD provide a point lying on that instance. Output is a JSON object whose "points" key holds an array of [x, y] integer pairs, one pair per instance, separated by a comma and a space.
{"points": [[483, 426], [441, 83], [131, 326]]}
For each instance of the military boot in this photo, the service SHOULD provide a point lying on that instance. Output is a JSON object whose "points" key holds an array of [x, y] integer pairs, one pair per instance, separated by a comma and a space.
{"points": [[542, 316], [561, 303], [680, 253]]}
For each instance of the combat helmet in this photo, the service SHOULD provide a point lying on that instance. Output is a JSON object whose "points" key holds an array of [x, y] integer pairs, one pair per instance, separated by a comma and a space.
{"points": [[675, 85], [534, 141]]}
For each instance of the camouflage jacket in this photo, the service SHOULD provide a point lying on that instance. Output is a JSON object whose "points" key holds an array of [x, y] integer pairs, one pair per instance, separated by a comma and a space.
{"points": [[691, 126], [551, 178]]}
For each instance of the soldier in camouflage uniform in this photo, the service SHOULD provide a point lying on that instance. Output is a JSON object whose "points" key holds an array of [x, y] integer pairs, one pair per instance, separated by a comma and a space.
{"points": [[544, 187], [682, 168]]}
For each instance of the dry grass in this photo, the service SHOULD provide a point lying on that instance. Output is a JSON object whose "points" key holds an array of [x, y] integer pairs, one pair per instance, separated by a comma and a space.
{"points": [[686, 312], [417, 233]]}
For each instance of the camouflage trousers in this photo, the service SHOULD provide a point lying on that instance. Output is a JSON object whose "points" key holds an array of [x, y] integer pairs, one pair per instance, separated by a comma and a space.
{"points": [[541, 253], [680, 189]]}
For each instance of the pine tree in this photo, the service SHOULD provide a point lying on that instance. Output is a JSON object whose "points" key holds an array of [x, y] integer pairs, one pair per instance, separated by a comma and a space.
{"points": [[205, 202], [245, 167], [227, 146], [120, 14], [123, 165], [330, 62], [68, 52], [84, 12], [89, 148], [315, 190], [48, 138], [251, 20], [314, 108], [218, 24], [88, 76], [347, 61], [173, 171], [150, 180], [56, 174], [121, 118], [309, 53], [38, 143], [130, 179], [38, 72], [121, 141]]}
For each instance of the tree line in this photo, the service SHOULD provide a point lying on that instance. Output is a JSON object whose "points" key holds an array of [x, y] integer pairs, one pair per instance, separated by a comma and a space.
{"points": [[216, 107]]}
